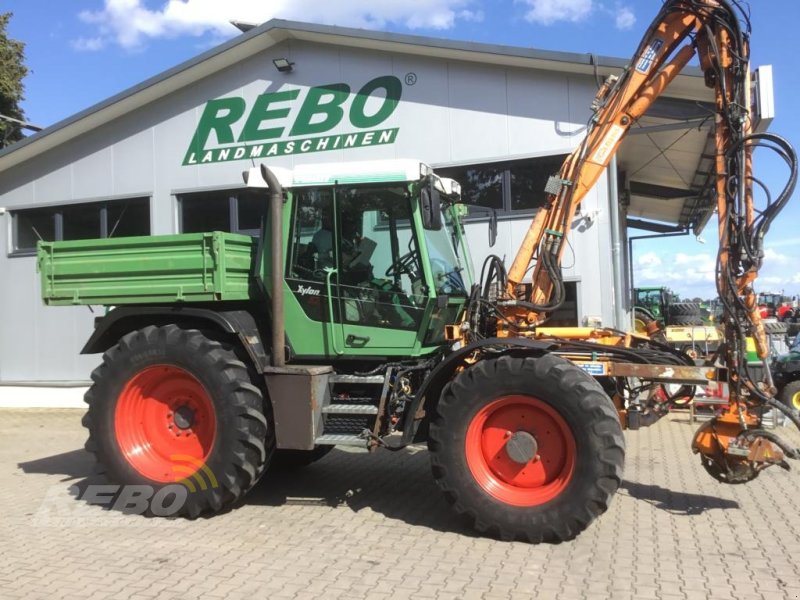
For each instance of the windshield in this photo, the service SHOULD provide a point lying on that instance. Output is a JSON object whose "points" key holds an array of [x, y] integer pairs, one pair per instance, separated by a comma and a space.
{"points": [[650, 296], [449, 274]]}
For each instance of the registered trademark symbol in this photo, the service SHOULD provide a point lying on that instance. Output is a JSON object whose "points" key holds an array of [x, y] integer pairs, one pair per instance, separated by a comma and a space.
{"points": [[411, 78]]}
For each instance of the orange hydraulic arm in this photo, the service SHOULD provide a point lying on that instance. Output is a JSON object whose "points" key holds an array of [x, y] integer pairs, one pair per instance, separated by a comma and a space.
{"points": [[619, 104], [682, 29]]}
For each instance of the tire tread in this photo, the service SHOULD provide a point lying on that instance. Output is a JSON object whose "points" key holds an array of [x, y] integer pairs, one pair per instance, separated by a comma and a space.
{"points": [[603, 424], [246, 404]]}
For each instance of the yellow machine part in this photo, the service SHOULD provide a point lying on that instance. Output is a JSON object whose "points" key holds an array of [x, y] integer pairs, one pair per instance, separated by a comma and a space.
{"points": [[688, 335]]}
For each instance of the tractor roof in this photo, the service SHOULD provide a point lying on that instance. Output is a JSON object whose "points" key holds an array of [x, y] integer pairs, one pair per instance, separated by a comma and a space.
{"points": [[366, 171]]}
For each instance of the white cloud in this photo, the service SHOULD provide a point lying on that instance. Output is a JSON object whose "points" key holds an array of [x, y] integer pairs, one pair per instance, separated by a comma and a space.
{"points": [[649, 259], [130, 22], [474, 16], [687, 274], [784, 243], [770, 280], [773, 257], [548, 12], [625, 19], [88, 44], [693, 274]]}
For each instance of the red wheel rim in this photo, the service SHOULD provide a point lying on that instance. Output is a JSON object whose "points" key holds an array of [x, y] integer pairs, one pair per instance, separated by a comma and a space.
{"points": [[165, 423], [538, 480]]}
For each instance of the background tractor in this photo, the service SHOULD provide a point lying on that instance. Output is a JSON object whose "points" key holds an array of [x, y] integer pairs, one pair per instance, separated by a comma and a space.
{"points": [[684, 325], [786, 371], [661, 304], [775, 306]]}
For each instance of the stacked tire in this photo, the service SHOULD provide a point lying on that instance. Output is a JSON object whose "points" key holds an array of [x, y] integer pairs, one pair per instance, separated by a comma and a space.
{"points": [[685, 314]]}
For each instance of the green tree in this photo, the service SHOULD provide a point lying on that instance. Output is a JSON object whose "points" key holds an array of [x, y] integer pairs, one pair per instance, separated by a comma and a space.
{"points": [[12, 72]]}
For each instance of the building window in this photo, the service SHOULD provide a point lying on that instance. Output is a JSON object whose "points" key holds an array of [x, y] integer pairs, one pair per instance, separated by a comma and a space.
{"points": [[237, 211], [33, 225], [112, 218], [81, 222], [480, 185], [510, 188], [128, 219]]}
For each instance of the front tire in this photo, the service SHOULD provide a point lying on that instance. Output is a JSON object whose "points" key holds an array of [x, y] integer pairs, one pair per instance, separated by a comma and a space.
{"points": [[641, 321], [527, 448], [171, 405]]}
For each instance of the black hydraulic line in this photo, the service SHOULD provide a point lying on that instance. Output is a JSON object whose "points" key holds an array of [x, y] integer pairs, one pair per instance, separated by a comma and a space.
{"points": [[793, 453], [408, 365], [637, 355]]}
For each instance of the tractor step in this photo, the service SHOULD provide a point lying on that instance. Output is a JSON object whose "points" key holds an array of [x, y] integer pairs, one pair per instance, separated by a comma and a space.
{"points": [[345, 399], [333, 439], [374, 379], [350, 409], [354, 405]]}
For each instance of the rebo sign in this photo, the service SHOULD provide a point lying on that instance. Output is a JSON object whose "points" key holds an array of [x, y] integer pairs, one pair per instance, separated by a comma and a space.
{"points": [[272, 126]]}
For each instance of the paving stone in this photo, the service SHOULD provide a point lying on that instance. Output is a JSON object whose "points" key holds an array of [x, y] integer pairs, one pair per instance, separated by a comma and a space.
{"points": [[356, 526]]}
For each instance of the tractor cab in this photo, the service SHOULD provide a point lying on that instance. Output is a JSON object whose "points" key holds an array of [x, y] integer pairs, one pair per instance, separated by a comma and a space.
{"points": [[375, 259], [653, 300], [774, 305]]}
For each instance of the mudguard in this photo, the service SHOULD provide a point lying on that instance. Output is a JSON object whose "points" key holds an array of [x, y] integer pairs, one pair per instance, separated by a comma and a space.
{"points": [[122, 320]]}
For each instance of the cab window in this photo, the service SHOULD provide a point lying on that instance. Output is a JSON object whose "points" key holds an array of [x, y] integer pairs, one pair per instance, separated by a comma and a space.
{"points": [[381, 280], [312, 248]]}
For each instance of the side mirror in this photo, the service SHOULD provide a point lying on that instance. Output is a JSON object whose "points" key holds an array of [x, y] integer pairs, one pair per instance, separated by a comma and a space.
{"points": [[254, 178], [431, 207], [492, 228]]}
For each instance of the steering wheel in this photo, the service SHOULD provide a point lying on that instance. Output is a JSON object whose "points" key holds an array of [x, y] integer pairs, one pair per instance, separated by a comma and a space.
{"points": [[403, 265], [305, 272]]}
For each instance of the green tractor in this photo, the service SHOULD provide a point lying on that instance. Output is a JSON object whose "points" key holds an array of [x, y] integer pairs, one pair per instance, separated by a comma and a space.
{"points": [[786, 371], [660, 304], [340, 325]]}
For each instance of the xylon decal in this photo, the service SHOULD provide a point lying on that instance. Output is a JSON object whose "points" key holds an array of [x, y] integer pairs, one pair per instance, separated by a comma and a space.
{"points": [[272, 126]]}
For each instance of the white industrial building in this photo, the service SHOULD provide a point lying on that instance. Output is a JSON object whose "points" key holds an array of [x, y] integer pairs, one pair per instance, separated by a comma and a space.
{"points": [[166, 156]]}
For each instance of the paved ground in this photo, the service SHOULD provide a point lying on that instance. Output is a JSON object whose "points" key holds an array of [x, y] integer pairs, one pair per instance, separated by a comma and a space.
{"points": [[355, 525]]}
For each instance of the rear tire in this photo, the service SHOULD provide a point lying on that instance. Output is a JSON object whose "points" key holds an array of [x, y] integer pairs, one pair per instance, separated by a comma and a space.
{"points": [[790, 395], [578, 446], [171, 405]]}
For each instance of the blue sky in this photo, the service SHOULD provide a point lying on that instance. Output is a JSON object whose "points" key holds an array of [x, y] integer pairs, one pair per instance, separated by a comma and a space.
{"points": [[83, 51]]}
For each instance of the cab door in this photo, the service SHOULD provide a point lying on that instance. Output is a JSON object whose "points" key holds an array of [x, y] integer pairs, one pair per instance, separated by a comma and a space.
{"points": [[381, 289], [313, 322]]}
